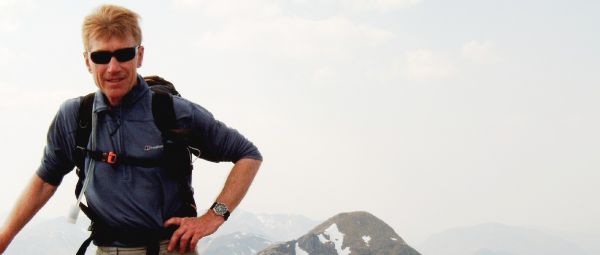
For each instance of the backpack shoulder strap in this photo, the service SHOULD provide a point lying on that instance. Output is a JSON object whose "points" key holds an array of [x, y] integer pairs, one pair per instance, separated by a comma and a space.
{"points": [[178, 156], [163, 111], [84, 126], [82, 136]]}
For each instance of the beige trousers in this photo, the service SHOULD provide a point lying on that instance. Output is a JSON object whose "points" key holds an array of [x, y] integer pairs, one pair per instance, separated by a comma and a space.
{"points": [[137, 250]]}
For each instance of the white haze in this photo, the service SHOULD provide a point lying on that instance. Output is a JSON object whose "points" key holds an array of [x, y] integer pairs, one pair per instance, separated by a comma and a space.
{"points": [[429, 114]]}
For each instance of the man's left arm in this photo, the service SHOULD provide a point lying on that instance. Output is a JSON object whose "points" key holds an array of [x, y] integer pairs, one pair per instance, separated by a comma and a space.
{"points": [[191, 230]]}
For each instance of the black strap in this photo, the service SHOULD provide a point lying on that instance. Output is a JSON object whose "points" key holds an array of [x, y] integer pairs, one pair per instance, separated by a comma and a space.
{"points": [[112, 158], [84, 127], [82, 136], [104, 235], [85, 245], [163, 111], [153, 248], [177, 154]]}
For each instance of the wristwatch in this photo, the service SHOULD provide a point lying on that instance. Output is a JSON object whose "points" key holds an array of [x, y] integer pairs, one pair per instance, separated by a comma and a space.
{"points": [[220, 209]]}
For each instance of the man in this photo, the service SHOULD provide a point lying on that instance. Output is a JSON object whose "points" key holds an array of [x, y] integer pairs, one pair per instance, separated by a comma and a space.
{"points": [[127, 198]]}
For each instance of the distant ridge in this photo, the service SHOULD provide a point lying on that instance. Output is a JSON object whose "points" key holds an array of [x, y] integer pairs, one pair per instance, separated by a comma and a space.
{"points": [[275, 227], [497, 239], [237, 243]]}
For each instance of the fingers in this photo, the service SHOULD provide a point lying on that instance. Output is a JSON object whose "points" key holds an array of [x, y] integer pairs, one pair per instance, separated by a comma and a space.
{"points": [[173, 221], [182, 236], [174, 239], [183, 242], [186, 239], [195, 239], [190, 231]]}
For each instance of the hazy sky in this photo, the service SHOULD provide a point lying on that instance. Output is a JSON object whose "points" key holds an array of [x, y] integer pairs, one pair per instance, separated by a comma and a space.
{"points": [[429, 114]]}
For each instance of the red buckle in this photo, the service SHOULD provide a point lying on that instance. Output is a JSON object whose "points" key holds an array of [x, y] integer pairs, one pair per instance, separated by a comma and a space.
{"points": [[110, 157]]}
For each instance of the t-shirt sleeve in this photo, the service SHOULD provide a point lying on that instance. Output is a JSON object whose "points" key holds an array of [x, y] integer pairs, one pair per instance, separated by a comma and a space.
{"points": [[57, 157], [218, 142]]}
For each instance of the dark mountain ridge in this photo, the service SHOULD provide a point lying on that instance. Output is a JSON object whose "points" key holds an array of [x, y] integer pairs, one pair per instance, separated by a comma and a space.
{"points": [[355, 233]]}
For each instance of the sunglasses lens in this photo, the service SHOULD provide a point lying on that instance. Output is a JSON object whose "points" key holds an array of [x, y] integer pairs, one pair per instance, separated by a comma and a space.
{"points": [[101, 57], [124, 55]]}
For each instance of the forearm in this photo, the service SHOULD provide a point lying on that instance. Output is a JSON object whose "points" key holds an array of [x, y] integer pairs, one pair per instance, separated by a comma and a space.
{"points": [[238, 182], [191, 230], [33, 198]]}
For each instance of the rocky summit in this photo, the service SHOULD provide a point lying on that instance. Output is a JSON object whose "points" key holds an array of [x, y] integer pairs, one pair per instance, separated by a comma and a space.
{"points": [[355, 233]]}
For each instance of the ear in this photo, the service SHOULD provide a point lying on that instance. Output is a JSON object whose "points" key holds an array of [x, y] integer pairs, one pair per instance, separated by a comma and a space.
{"points": [[140, 57], [87, 61]]}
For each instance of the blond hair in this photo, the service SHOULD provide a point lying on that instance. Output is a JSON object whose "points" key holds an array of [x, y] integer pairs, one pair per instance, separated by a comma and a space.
{"points": [[111, 20]]}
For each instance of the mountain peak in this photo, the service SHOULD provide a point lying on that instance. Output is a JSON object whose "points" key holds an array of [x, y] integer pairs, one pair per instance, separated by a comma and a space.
{"points": [[356, 225], [344, 234]]}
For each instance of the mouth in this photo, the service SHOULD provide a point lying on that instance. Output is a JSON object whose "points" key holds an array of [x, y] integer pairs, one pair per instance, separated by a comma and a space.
{"points": [[114, 81]]}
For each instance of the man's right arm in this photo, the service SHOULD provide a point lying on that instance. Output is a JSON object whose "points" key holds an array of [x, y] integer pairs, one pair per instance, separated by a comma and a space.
{"points": [[34, 197], [57, 161]]}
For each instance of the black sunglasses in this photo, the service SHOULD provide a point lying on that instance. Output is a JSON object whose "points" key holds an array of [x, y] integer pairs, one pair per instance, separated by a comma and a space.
{"points": [[122, 55]]}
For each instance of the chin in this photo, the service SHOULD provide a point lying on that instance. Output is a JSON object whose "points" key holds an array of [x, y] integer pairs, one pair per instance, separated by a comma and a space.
{"points": [[120, 93], [114, 93]]}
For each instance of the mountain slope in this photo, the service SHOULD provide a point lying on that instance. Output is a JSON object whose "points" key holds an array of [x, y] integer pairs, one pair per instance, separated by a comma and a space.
{"points": [[497, 239], [235, 243], [344, 234], [275, 227], [54, 236]]}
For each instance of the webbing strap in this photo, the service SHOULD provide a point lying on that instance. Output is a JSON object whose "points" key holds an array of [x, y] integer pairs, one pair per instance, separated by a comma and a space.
{"points": [[82, 135], [163, 111], [85, 245], [84, 127], [114, 159]]}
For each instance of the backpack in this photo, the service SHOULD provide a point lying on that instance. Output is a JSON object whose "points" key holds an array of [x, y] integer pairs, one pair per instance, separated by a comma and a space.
{"points": [[177, 153]]}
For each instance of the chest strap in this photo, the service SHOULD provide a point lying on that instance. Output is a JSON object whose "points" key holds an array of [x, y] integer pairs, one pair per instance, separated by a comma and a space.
{"points": [[113, 159]]}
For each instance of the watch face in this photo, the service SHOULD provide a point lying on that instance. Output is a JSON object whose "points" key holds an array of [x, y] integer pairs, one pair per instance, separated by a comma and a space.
{"points": [[220, 209]]}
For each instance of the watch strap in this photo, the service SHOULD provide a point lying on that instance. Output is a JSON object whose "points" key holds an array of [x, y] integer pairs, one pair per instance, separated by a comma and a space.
{"points": [[225, 215]]}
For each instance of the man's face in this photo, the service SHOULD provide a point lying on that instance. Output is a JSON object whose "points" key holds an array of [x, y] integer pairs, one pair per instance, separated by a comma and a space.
{"points": [[115, 79]]}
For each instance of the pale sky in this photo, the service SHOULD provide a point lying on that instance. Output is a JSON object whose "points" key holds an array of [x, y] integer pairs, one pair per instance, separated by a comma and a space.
{"points": [[429, 114]]}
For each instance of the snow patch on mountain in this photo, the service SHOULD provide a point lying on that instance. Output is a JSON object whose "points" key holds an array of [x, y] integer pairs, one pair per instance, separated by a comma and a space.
{"points": [[334, 235], [300, 251], [366, 239], [322, 239]]}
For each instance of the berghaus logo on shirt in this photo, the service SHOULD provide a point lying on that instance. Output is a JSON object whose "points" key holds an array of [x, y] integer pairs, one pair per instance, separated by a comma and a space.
{"points": [[153, 147]]}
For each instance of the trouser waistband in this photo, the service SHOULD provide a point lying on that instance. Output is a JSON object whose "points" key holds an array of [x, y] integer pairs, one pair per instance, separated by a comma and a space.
{"points": [[107, 250], [107, 236]]}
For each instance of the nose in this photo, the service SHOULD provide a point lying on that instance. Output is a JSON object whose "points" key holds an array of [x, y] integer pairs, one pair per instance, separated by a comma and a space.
{"points": [[113, 65]]}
